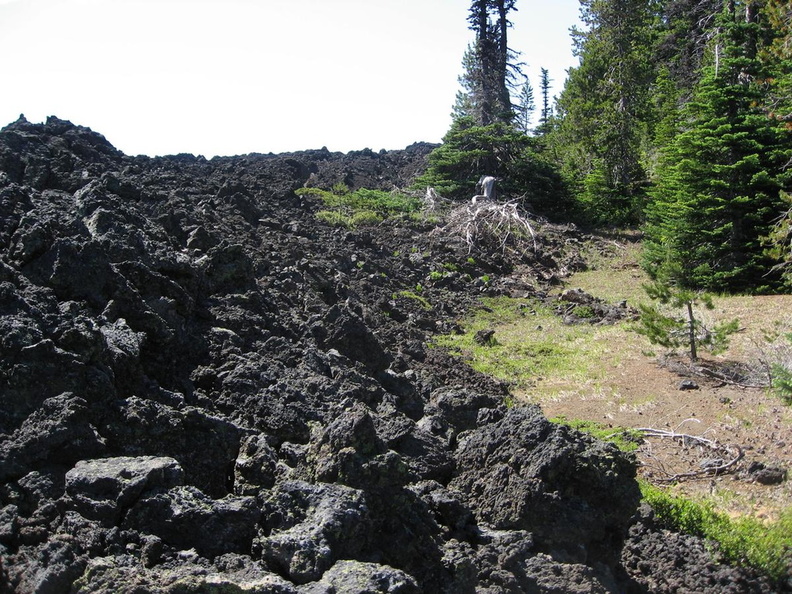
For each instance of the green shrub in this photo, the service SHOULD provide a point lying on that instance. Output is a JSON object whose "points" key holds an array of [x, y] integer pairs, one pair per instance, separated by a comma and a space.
{"points": [[583, 311], [334, 218], [780, 348], [782, 383], [361, 207], [340, 189], [365, 218], [741, 541], [518, 160]]}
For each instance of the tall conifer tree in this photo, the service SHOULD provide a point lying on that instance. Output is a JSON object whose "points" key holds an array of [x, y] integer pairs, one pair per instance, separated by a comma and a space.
{"points": [[684, 29], [544, 116], [777, 58], [605, 108], [488, 67], [526, 105], [485, 136], [718, 184]]}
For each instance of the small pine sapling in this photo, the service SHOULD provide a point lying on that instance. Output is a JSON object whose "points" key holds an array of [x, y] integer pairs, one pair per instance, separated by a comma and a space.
{"points": [[672, 322]]}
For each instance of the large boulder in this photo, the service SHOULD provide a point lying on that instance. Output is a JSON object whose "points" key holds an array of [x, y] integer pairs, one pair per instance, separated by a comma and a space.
{"points": [[105, 489], [229, 573], [205, 445], [354, 577], [308, 527], [185, 518], [255, 467], [576, 495], [345, 330], [59, 432]]}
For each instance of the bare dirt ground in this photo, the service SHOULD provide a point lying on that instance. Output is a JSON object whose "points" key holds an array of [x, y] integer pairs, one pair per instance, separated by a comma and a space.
{"points": [[641, 389]]}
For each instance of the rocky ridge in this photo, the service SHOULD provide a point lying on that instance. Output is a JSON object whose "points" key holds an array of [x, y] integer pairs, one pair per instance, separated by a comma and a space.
{"points": [[205, 389]]}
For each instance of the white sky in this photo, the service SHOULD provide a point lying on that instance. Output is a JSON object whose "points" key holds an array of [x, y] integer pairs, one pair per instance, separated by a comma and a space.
{"points": [[228, 77]]}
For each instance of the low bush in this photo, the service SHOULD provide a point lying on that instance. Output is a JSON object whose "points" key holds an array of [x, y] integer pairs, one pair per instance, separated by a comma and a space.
{"points": [[782, 383], [422, 301], [778, 358], [743, 541], [362, 207]]}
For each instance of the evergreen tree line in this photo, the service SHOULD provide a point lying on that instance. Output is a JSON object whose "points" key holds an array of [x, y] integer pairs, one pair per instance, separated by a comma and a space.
{"points": [[678, 118]]}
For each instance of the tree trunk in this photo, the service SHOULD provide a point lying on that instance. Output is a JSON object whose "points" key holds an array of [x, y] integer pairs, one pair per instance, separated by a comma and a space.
{"points": [[692, 332], [504, 97], [484, 59], [489, 78]]}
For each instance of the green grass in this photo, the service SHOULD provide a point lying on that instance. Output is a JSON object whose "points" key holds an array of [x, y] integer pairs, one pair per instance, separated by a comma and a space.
{"points": [[361, 207], [614, 276], [531, 345], [542, 358], [743, 541], [422, 301]]}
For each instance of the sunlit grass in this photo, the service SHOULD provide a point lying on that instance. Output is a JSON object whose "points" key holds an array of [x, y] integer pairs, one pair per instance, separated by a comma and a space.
{"points": [[614, 275], [767, 546], [625, 439], [533, 350]]}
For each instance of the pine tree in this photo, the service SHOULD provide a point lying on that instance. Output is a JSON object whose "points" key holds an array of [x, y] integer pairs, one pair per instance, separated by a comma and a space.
{"points": [[605, 108], [685, 28], [485, 136], [500, 150], [526, 105], [488, 66], [544, 117], [672, 319], [464, 106], [776, 57], [779, 241], [718, 184]]}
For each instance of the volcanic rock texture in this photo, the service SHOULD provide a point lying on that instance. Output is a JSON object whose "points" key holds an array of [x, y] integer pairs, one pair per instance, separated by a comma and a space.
{"points": [[204, 389]]}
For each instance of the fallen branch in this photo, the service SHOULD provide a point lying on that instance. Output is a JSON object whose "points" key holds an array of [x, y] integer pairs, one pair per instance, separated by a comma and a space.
{"points": [[726, 380], [488, 222], [715, 466], [718, 372]]}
